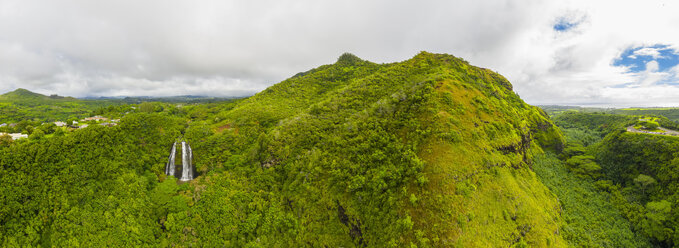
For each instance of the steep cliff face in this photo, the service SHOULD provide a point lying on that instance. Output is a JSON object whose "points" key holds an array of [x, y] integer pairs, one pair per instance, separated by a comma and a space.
{"points": [[428, 151]]}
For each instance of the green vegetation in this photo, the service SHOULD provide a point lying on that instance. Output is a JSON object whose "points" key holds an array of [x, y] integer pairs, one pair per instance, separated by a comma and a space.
{"points": [[648, 123], [395, 134], [592, 220], [426, 152], [670, 113], [664, 117], [23, 105], [598, 122], [87, 188], [637, 173], [647, 169]]}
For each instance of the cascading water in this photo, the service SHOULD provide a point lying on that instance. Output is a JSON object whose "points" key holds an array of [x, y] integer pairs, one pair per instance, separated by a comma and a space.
{"points": [[169, 168], [187, 173], [187, 158], [190, 161]]}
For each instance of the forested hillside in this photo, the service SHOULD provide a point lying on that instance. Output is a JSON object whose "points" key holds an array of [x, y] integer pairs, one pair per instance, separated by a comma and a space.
{"points": [[23, 105], [430, 151], [635, 175]]}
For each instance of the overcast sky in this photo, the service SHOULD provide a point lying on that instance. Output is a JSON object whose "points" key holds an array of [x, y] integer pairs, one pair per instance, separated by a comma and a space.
{"points": [[610, 53]]}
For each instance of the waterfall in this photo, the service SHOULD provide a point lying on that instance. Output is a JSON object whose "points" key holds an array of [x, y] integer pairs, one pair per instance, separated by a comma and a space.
{"points": [[190, 161], [187, 158], [169, 168], [187, 172]]}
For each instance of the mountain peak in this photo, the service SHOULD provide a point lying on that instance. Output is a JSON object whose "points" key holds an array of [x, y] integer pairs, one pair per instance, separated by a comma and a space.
{"points": [[22, 90], [22, 93], [348, 59]]}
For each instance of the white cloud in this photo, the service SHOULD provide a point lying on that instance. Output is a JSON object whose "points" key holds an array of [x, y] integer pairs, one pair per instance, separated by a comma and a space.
{"points": [[648, 51], [78, 47], [652, 66]]}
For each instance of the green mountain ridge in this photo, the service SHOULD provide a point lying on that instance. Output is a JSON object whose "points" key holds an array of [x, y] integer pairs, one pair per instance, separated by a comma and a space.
{"points": [[430, 151], [22, 104], [421, 138], [21, 94]]}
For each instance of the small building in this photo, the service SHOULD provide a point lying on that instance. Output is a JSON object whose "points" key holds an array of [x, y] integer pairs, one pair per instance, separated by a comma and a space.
{"points": [[16, 136], [83, 126], [60, 123], [95, 118], [3, 125]]}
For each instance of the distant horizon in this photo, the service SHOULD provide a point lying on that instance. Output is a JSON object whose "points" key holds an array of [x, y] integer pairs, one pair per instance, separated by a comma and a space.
{"points": [[123, 96], [581, 105]]}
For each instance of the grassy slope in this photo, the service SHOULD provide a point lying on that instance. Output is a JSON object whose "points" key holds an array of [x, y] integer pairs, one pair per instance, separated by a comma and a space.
{"points": [[497, 200], [296, 94], [448, 164]]}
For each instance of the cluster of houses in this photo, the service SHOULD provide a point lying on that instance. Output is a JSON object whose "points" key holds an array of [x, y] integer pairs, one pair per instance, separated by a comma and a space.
{"points": [[99, 118], [96, 118], [15, 136], [104, 122]]}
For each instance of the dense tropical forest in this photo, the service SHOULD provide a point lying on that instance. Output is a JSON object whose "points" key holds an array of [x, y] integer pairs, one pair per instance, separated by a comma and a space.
{"points": [[634, 174], [428, 152]]}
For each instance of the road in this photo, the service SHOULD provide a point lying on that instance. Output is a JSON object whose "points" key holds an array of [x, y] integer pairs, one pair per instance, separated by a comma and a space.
{"points": [[667, 131]]}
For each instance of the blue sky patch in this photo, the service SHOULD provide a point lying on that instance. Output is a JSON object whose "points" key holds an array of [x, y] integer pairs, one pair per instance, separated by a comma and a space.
{"points": [[563, 25], [569, 21], [636, 58]]}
